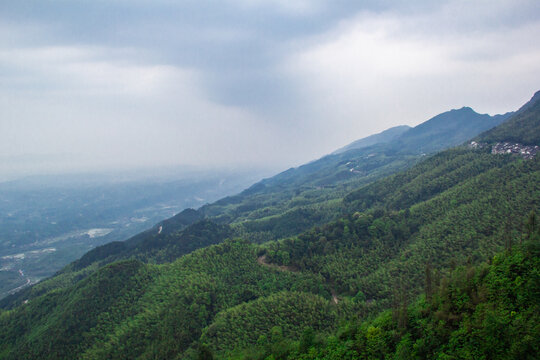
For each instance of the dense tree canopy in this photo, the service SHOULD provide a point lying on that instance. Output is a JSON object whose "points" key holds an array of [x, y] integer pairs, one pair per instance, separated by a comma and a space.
{"points": [[440, 261]]}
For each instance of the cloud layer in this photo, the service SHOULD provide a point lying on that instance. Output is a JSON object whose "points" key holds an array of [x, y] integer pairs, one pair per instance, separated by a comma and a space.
{"points": [[111, 84]]}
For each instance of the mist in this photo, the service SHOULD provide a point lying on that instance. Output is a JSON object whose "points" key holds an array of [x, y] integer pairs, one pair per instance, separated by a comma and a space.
{"points": [[104, 86]]}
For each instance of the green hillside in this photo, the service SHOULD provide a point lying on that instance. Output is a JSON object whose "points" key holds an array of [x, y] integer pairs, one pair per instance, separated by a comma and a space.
{"points": [[128, 309], [456, 206], [297, 199], [489, 311], [399, 267], [218, 296], [312, 185]]}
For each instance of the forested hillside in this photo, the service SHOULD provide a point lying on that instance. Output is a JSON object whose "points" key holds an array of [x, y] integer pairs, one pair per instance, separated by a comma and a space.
{"points": [[297, 199], [128, 309], [310, 188], [437, 261], [488, 311], [457, 205], [220, 299]]}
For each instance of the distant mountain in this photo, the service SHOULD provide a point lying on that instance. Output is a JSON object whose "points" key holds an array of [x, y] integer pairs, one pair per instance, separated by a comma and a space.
{"points": [[445, 130], [299, 198], [523, 128], [380, 138], [331, 176], [292, 201], [401, 268]]}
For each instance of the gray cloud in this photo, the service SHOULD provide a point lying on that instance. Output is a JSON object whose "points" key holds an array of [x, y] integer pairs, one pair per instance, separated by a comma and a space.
{"points": [[125, 83], [237, 43]]}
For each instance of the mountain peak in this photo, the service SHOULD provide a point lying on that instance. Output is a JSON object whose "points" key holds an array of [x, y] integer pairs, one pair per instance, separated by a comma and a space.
{"points": [[465, 109], [447, 129]]}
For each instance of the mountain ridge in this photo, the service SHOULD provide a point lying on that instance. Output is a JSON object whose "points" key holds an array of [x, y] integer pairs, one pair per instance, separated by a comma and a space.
{"points": [[335, 174], [524, 127], [457, 208]]}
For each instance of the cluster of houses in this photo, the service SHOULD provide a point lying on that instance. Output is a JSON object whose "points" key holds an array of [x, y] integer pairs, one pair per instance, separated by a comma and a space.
{"points": [[525, 151]]}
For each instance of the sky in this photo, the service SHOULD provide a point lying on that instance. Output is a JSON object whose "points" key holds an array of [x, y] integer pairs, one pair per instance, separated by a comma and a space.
{"points": [[88, 85]]}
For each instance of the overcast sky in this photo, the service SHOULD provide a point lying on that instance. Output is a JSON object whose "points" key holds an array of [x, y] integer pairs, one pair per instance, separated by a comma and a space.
{"points": [[95, 84]]}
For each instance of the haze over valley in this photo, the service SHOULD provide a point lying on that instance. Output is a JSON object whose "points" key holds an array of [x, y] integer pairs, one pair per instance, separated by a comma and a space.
{"points": [[48, 221]]}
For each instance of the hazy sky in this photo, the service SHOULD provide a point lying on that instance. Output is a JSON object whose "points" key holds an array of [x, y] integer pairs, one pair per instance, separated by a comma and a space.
{"points": [[94, 84]]}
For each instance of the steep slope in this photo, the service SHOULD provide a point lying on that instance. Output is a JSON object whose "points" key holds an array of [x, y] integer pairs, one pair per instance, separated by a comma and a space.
{"points": [[309, 192], [458, 207], [131, 310], [297, 199], [490, 311], [523, 128], [151, 248], [288, 312], [462, 208], [284, 205]]}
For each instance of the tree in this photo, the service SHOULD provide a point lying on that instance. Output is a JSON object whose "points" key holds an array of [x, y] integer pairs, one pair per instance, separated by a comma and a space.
{"points": [[429, 282], [204, 353], [531, 224]]}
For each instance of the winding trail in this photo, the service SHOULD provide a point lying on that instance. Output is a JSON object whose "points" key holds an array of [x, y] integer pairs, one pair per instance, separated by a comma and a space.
{"points": [[262, 261]]}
